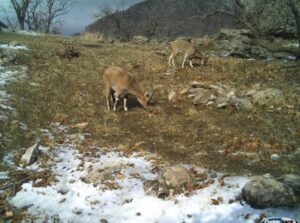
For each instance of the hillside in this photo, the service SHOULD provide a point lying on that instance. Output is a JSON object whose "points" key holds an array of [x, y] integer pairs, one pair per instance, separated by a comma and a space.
{"points": [[162, 19], [209, 127]]}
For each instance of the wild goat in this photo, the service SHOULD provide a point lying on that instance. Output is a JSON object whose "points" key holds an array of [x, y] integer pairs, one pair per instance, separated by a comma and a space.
{"points": [[189, 51], [119, 85]]}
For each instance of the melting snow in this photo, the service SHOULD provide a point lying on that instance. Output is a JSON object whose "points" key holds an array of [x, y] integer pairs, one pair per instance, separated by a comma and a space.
{"points": [[8, 46], [73, 199]]}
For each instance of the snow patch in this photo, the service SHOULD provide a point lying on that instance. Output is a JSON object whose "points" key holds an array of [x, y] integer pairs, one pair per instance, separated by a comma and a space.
{"points": [[8, 46], [73, 199]]}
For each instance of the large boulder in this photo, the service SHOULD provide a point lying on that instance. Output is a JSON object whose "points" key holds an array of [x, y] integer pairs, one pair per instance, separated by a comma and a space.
{"points": [[266, 192]]}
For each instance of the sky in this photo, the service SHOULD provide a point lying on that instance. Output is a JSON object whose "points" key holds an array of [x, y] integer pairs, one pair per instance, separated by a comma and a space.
{"points": [[80, 15]]}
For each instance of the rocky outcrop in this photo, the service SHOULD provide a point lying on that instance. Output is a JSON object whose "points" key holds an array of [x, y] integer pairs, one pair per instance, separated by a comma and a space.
{"points": [[266, 192], [222, 96], [240, 43]]}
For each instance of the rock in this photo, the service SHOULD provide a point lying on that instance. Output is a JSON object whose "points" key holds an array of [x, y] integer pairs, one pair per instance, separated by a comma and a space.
{"points": [[292, 180], [203, 96], [30, 155], [200, 84], [8, 215], [140, 40], [242, 103], [264, 192], [239, 43], [275, 157], [270, 96], [155, 188], [172, 96], [82, 125], [108, 173], [184, 91], [222, 102], [176, 177]]}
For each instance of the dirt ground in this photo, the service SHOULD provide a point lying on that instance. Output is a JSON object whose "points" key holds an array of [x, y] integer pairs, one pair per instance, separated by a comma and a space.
{"points": [[70, 91]]}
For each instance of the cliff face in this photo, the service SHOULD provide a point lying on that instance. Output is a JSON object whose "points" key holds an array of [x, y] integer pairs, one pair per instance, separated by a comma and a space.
{"points": [[161, 19]]}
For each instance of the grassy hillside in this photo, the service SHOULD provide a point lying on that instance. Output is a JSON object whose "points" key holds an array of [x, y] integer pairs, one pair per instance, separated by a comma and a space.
{"points": [[70, 91]]}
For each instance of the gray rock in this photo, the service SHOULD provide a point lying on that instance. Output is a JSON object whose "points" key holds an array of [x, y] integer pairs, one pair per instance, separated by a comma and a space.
{"points": [[140, 40], [155, 188], [275, 157], [270, 96], [176, 177], [203, 96], [30, 155], [264, 192], [242, 103], [292, 180], [239, 43], [222, 102]]}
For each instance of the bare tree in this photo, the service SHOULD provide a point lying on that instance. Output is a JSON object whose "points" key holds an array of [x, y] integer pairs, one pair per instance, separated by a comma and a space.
{"points": [[246, 20], [35, 15], [44, 15], [20, 8], [55, 9], [118, 16]]}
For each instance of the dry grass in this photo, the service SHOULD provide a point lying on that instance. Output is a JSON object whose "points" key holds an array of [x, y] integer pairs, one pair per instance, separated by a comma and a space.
{"points": [[71, 91]]}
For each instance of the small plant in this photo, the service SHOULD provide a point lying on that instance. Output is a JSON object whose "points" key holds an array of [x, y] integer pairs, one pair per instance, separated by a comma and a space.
{"points": [[68, 51]]}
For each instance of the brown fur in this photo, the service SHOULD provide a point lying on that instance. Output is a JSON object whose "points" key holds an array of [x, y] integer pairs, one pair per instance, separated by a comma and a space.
{"points": [[119, 84], [189, 51]]}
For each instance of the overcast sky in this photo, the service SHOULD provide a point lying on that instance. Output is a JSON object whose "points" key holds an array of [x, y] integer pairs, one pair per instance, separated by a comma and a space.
{"points": [[80, 15]]}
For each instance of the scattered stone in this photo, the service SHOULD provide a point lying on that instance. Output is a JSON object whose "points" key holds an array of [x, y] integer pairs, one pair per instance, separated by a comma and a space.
{"points": [[82, 125], [200, 84], [270, 96], [8, 215], [203, 97], [275, 157], [265, 192], [172, 96], [155, 188], [107, 173], [292, 180], [242, 103], [176, 176], [30, 155], [184, 91], [140, 40]]}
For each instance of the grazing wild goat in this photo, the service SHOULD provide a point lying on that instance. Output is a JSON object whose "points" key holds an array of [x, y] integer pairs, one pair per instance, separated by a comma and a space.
{"points": [[119, 84], [189, 51]]}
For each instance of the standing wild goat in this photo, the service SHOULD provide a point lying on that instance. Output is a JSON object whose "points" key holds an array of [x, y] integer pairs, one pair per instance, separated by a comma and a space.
{"points": [[189, 51], [119, 84]]}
